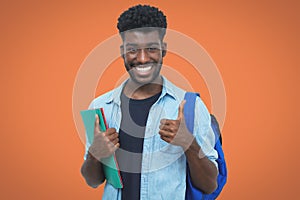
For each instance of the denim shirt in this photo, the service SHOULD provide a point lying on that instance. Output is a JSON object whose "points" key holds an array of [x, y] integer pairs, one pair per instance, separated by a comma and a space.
{"points": [[163, 172]]}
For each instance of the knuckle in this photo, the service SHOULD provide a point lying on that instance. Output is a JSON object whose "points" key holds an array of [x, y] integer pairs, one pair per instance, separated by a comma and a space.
{"points": [[106, 140], [111, 149], [112, 130], [107, 131], [161, 132]]}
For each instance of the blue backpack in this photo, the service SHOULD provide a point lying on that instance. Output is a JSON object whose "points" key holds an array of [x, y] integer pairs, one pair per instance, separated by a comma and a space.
{"points": [[193, 193]]}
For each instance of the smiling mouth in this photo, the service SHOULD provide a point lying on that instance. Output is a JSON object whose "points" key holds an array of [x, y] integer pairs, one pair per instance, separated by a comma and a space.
{"points": [[143, 69]]}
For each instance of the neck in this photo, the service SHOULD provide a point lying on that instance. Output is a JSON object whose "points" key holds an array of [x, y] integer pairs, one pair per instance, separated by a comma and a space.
{"points": [[135, 90]]}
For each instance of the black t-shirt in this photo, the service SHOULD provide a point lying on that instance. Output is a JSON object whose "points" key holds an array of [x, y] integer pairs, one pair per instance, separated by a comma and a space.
{"points": [[131, 138]]}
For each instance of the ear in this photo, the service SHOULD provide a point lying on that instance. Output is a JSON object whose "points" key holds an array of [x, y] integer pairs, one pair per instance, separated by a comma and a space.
{"points": [[164, 49], [122, 51]]}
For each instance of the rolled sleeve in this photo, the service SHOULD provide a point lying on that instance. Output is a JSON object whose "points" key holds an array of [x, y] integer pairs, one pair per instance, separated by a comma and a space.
{"points": [[203, 132]]}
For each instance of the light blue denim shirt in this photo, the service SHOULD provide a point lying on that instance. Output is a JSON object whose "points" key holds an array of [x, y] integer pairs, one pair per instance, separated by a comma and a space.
{"points": [[163, 173]]}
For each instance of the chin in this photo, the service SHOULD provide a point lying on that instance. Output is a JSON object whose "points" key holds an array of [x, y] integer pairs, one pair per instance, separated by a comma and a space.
{"points": [[142, 81]]}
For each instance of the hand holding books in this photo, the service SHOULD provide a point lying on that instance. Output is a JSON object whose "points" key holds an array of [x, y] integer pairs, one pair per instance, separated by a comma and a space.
{"points": [[105, 143]]}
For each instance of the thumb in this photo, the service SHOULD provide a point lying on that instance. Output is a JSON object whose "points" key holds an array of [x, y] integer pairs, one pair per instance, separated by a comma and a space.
{"points": [[97, 127], [180, 109]]}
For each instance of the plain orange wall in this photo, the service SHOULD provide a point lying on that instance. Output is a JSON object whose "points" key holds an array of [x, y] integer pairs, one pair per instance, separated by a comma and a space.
{"points": [[255, 45]]}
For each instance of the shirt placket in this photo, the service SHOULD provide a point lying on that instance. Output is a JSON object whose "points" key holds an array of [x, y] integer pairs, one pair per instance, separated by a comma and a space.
{"points": [[147, 155]]}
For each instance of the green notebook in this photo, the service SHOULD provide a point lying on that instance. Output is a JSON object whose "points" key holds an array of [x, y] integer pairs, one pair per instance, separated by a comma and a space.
{"points": [[110, 165]]}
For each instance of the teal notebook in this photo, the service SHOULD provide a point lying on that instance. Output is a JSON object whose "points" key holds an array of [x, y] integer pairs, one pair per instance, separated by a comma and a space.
{"points": [[110, 165]]}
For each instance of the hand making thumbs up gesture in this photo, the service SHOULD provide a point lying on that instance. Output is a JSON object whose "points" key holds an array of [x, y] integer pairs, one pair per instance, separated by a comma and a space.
{"points": [[175, 131]]}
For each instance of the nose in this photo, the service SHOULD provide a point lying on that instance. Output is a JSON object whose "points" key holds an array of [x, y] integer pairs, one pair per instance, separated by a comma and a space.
{"points": [[142, 56]]}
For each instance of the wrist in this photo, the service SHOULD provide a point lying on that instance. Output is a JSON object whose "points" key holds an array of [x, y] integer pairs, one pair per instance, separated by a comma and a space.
{"points": [[188, 141], [90, 157], [195, 150]]}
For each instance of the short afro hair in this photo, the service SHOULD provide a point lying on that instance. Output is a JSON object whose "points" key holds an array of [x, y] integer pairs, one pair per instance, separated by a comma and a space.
{"points": [[141, 16]]}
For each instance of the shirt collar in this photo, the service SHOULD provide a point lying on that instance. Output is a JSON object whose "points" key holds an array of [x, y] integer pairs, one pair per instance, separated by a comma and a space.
{"points": [[168, 89]]}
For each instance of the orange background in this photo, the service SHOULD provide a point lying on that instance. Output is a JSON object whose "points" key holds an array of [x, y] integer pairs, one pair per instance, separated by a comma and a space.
{"points": [[255, 45]]}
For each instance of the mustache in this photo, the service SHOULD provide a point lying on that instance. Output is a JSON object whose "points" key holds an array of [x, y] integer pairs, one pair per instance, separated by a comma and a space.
{"points": [[131, 65]]}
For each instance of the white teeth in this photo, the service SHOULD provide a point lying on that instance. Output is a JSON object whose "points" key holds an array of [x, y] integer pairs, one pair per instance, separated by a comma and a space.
{"points": [[143, 69]]}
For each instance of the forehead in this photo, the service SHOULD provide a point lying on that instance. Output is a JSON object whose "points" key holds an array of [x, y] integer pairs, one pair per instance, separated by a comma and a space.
{"points": [[141, 37]]}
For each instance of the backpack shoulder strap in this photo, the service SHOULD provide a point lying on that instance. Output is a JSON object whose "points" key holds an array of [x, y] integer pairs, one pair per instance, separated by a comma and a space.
{"points": [[189, 109], [189, 114]]}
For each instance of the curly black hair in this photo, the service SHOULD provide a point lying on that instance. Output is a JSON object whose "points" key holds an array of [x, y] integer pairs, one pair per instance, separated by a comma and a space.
{"points": [[141, 16]]}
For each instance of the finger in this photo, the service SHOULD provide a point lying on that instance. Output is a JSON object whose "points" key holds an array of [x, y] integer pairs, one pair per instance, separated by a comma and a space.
{"points": [[112, 136], [115, 147], [115, 141], [110, 131], [111, 142], [167, 122], [163, 121], [166, 139], [166, 134], [169, 128], [180, 109]]}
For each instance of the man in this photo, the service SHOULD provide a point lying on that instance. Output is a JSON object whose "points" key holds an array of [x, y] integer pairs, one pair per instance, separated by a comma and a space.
{"points": [[147, 128]]}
